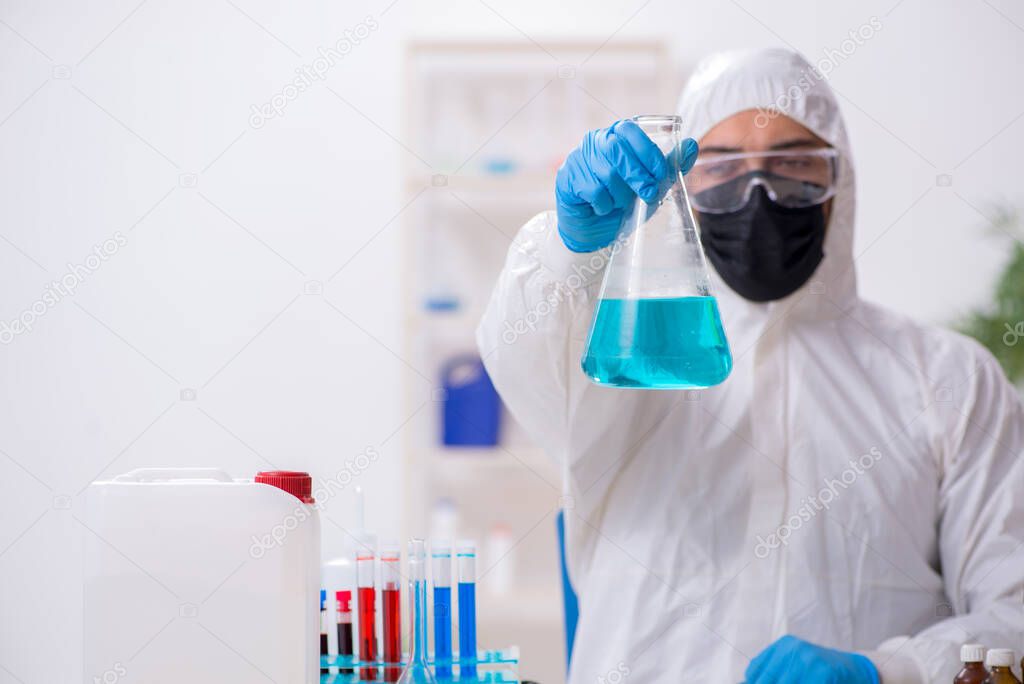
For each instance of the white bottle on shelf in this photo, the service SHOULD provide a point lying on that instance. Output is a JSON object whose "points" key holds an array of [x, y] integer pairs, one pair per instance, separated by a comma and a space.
{"points": [[192, 576]]}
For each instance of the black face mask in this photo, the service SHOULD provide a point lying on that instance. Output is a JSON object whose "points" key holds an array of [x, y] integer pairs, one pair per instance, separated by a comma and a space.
{"points": [[765, 251]]}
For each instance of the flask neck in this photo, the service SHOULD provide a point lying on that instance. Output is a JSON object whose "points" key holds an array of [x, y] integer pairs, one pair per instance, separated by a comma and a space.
{"points": [[664, 131]]}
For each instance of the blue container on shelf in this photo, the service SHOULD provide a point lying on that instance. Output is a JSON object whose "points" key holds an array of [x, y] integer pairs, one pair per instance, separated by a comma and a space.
{"points": [[471, 412]]}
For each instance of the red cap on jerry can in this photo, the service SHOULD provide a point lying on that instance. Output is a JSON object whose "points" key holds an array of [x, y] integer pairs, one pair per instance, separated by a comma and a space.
{"points": [[299, 485]]}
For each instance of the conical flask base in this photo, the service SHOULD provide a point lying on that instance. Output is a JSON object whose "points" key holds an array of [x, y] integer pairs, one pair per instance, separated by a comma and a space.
{"points": [[416, 674], [658, 343]]}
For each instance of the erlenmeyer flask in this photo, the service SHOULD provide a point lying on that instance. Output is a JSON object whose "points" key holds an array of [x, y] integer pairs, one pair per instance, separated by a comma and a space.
{"points": [[657, 324], [417, 671]]}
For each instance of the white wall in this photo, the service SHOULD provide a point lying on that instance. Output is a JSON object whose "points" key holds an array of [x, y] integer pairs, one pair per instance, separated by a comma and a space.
{"points": [[207, 291]]}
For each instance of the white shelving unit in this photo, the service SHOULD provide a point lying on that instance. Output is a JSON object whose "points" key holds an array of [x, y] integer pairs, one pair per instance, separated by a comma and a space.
{"points": [[493, 122]]}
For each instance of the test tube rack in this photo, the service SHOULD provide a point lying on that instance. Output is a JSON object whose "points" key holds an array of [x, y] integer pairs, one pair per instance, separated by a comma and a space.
{"points": [[497, 666]]}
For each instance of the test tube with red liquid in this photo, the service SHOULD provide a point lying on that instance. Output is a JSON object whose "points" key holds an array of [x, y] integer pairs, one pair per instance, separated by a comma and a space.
{"points": [[344, 612], [367, 609], [390, 573], [323, 627]]}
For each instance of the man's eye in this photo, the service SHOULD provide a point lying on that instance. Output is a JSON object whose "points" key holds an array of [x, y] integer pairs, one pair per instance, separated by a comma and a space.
{"points": [[720, 169], [793, 162]]}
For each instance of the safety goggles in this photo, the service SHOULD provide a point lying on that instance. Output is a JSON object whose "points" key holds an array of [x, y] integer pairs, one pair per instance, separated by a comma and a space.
{"points": [[721, 183]]}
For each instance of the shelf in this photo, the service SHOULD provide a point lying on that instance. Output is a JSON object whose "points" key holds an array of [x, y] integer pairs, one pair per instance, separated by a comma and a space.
{"points": [[501, 185], [463, 317], [488, 172], [475, 459]]}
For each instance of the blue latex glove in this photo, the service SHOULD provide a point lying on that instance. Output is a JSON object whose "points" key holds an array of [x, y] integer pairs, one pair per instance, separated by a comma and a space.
{"points": [[602, 176], [791, 661]]}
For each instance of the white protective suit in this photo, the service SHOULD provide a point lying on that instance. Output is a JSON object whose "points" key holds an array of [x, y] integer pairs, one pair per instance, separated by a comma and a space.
{"points": [[857, 481]]}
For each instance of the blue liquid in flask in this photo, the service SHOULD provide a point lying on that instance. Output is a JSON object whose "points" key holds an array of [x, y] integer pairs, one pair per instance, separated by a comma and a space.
{"points": [[658, 343]]}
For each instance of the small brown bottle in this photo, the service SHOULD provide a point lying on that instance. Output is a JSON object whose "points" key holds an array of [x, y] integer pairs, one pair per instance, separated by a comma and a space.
{"points": [[1000, 664], [973, 658]]}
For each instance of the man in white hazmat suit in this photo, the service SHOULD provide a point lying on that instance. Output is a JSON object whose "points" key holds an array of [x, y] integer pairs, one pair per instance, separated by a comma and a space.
{"points": [[848, 506]]}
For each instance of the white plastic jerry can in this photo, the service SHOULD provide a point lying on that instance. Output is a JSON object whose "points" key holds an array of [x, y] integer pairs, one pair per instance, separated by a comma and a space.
{"points": [[192, 576]]}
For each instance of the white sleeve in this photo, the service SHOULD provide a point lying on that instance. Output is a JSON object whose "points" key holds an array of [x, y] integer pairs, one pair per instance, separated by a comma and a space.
{"points": [[531, 339], [981, 533]]}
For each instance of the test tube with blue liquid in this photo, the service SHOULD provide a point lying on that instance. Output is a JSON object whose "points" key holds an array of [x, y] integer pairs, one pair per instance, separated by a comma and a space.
{"points": [[467, 610], [442, 557]]}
